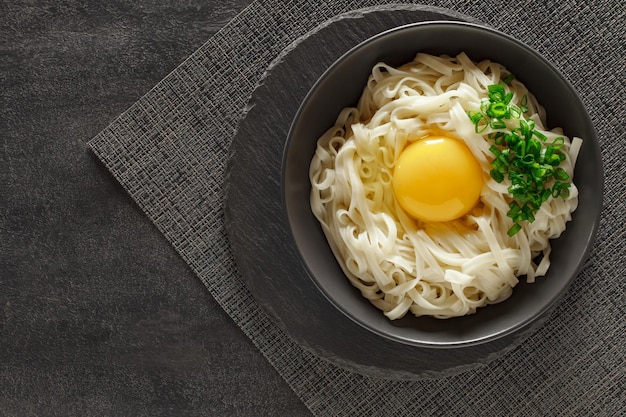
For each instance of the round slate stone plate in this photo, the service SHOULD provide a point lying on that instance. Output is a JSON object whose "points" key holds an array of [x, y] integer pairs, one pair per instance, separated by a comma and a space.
{"points": [[258, 228]]}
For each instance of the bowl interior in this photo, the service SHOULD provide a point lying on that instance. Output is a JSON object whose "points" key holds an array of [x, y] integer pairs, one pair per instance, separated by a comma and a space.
{"points": [[342, 85]]}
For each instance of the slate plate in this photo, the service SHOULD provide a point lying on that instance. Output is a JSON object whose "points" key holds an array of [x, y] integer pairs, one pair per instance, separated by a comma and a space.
{"points": [[258, 228]]}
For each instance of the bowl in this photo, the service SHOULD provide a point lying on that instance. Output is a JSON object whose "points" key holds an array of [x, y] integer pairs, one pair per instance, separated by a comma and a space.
{"points": [[341, 85]]}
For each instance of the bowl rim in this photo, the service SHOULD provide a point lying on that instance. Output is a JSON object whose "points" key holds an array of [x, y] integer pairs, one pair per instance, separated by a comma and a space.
{"points": [[492, 336]]}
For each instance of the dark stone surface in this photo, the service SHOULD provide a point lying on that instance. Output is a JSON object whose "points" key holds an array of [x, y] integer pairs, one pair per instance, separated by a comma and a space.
{"points": [[98, 314], [412, 348]]}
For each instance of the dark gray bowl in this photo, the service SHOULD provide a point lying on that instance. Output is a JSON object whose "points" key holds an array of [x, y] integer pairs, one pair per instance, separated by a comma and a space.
{"points": [[342, 84]]}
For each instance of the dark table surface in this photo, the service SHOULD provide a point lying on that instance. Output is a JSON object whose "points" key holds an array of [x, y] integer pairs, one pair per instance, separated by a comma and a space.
{"points": [[98, 314]]}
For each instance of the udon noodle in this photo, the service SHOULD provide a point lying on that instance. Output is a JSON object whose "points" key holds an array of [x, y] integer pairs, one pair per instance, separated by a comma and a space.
{"points": [[405, 265]]}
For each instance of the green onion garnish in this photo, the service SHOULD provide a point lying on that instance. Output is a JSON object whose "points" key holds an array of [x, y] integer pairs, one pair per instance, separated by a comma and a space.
{"points": [[508, 79], [521, 154]]}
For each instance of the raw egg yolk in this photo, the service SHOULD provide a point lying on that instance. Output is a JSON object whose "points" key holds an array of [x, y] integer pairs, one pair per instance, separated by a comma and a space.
{"points": [[437, 179]]}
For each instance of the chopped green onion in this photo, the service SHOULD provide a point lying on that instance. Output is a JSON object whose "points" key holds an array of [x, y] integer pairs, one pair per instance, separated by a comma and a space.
{"points": [[540, 172], [514, 209], [498, 110], [533, 147], [496, 93], [558, 142], [479, 120], [521, 154], [529, 158], [484, 105], [514, 229], [539, 135], [560, 174], [508, 79], [497, 124], [496, 175], [560, 189], [517, 189], [497, 137], [553, 159], [524, 104]]}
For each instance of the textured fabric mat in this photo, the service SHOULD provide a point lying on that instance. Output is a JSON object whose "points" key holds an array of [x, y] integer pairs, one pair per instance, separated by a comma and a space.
{"points": [[169, 152]]}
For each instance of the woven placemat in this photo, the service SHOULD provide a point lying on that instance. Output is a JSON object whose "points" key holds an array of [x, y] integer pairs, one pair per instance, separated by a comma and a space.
{"points": [[169, 151]]}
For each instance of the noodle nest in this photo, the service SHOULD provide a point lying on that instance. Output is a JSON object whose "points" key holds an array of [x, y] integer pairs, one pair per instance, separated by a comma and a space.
{"points": [[401, 264]]}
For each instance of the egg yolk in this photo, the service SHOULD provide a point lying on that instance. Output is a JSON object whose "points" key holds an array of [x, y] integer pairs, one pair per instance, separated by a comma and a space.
{"points": [[437, 179]]}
